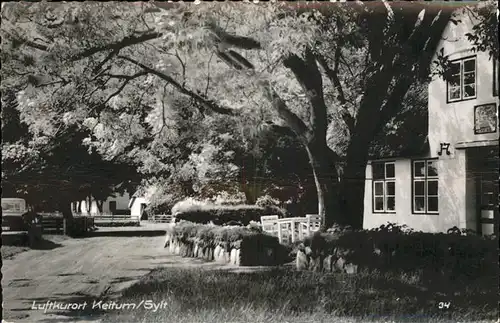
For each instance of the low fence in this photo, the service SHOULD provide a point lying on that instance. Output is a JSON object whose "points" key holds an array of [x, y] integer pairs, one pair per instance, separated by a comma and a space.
{"points": [[108, 220], [56, 224], [161, 218], [53, 225], [115, 219]]}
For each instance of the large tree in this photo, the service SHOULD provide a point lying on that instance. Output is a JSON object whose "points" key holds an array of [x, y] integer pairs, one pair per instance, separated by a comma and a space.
{"points": [[348, 67]]}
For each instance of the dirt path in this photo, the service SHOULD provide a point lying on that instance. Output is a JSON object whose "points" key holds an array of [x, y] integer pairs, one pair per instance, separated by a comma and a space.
{"points": [[76, 271], [87, 270]]}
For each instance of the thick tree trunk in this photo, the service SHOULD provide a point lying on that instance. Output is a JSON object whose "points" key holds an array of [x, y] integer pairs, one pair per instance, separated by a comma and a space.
{"points": [[353, 179], [65, 209], [368, 123], [249, 195], [353, 192]]}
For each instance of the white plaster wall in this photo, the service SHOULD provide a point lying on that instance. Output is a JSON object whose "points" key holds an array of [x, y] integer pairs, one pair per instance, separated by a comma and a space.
{"points": [[121, 204], [136, 207], [452, 199], [454, 122]]}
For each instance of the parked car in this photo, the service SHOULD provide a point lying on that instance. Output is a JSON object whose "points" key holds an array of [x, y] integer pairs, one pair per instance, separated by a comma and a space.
{"points": [[13, 215], [18, 223]]}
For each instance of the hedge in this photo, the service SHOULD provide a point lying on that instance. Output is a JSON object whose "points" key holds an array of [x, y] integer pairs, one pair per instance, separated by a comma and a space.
{"points": [[241, 214], [391, 248], [254, 245]]}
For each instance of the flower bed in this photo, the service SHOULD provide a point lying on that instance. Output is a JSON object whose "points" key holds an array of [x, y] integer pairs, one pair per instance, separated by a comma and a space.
{"points": [[229, 244]]}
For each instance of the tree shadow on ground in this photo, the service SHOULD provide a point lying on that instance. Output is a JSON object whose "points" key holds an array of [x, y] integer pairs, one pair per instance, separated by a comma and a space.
{"points": [[45, 244], [10, 250]]}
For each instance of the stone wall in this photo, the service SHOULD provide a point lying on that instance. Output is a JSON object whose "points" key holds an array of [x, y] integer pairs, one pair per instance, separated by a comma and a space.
{"points": [[239, 253], [306, 259]]}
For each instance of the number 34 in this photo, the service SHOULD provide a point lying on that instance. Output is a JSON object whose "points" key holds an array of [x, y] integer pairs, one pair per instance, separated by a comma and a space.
{"points": [[442, 305]]}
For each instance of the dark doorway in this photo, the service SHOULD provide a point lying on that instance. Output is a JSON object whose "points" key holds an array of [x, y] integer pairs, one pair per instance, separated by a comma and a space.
{"points": [[483, 164], [112, 207]]}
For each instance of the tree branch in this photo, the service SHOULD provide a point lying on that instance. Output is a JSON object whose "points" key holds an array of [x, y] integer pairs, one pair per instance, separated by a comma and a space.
{"points": [[127, 80], [308, 75], [105, 60], [334, 78], [20, 39], [296, 124], [427, 43], [116, 46], [209, 104]]}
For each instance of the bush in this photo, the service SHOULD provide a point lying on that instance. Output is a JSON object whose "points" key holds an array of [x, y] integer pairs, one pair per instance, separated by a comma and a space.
{"points": [[253, 245], [211, 236], [393, 247], [226, 198], [189, 205], [273, 204], [241, 214], [222, 199]]}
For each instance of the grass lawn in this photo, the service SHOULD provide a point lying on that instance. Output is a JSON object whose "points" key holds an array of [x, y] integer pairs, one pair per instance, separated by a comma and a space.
{"points": [[285, 295]]}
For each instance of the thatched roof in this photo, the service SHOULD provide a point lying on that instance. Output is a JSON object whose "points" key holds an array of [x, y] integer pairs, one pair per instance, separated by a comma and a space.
{"points": [[408, 139]]}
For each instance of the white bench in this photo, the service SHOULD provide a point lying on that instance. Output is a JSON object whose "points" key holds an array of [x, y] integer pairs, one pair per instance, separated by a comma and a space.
{"points": [[312, 224], [269, 224]]}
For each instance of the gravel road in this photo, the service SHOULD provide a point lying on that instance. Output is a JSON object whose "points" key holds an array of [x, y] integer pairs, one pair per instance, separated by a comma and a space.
{"points": [[75, 271]]}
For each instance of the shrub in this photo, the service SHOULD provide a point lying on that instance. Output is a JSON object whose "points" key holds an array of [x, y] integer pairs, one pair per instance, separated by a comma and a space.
{"points": [[398, 248], [267, 200], [189, 205], [226, 198], [272, 204], [207, 235], [241, 214], [251, 243], [255, 226]]}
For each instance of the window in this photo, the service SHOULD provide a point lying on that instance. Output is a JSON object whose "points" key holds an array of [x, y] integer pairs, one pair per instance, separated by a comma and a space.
{"points": [[425, 186], [384, 187], [462, 80], [495, 76]]}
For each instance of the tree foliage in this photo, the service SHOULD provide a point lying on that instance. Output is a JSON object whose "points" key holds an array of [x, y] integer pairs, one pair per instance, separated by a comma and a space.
{"points": [[184, 90]]}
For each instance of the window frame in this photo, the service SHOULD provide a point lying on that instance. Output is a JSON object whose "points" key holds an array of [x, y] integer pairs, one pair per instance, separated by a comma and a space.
{"points": [[425, 179], [384, 181], [461, 61]]}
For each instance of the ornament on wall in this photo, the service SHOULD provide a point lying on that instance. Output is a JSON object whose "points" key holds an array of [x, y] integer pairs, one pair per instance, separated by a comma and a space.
{"points": [[485, 118], [444, 146]]}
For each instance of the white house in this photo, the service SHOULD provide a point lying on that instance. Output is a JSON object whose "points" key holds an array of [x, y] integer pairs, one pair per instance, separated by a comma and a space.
{"points": [[454, 180], [137, 205], [117, 204]]}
